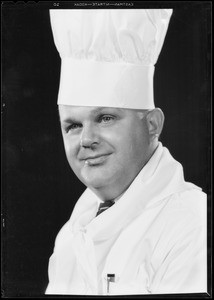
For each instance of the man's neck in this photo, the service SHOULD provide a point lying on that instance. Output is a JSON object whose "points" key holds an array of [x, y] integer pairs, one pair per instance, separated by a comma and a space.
{"points": [[109, 193]]}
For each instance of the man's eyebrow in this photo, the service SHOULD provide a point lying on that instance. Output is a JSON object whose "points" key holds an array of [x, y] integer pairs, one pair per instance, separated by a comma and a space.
{"points": [[101, 109], [68, 120]]}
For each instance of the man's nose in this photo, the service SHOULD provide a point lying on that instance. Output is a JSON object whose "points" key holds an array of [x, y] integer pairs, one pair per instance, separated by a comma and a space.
{"points": [[89, 136]]}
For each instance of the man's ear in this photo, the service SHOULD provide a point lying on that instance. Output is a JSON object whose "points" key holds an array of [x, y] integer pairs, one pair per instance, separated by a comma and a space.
{"points": [[155, 121]]}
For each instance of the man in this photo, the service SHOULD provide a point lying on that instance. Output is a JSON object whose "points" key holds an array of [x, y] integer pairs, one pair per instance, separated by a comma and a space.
{"points": [[139, 228]]}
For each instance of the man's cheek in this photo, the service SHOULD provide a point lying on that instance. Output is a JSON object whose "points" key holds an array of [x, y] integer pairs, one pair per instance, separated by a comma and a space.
{"points": [[69, 149], [70, 157]]}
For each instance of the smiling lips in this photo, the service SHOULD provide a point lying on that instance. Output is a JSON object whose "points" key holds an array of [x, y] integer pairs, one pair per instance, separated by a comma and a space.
{"points": [[96, 160]]}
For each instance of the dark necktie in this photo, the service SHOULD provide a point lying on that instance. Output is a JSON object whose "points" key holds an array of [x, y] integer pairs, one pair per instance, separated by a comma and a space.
{"points": [[105, 205]]}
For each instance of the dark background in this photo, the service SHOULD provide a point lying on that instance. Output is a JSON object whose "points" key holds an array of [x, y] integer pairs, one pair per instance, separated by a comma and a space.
{"points": [[38, 188]]}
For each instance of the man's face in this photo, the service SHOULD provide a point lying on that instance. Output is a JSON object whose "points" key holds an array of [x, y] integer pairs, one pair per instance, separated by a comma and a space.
{"points": [[105, 147]]}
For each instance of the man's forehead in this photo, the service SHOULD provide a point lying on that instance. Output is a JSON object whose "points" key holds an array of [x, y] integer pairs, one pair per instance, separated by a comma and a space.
{"points": [[89, 110], [73, 112]]}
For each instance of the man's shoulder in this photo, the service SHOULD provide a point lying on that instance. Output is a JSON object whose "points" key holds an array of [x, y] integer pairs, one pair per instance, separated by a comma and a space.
{"points": [[190, 199], [189, 205], [63, 235], [183, 218]]}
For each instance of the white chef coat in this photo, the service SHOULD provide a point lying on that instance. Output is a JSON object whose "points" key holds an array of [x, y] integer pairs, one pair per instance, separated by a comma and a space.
{"points": [[153, 239]]}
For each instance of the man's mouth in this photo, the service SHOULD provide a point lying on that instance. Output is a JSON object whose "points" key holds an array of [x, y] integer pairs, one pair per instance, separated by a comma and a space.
{"points": [[96, 160]]}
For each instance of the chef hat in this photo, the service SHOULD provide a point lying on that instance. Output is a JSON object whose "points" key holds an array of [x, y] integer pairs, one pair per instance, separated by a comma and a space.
{"points": [[108, 55]]}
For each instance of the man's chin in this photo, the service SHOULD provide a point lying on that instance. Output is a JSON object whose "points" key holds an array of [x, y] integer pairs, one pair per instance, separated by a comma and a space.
{"points": [[94, 181]]}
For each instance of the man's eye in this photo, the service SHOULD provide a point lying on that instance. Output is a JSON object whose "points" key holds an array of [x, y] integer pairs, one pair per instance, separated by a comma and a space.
{"points": [[73, 127], [106, 119]]}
